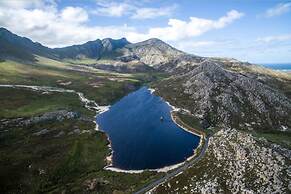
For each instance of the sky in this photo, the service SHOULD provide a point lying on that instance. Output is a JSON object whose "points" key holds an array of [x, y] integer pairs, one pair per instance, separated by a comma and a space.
{"points": [[258, 31]]}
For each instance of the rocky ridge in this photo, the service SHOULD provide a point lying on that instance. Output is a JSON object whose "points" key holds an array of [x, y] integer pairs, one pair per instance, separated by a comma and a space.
{"points": [[152, 52], [229, 98]]}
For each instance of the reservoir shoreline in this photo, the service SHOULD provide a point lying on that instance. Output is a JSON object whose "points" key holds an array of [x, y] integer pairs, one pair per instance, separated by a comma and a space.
{"points": [[91, 105], [180, 124]]}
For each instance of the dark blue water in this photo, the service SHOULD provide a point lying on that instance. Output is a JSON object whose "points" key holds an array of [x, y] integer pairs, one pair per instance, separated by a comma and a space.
{"points": [[139, 139], [281, 67]]}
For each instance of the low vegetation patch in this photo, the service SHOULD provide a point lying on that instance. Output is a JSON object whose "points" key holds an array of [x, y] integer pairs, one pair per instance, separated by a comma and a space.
{"points": [[194, 124], [59, 155], [69, 155], [282, 138]]}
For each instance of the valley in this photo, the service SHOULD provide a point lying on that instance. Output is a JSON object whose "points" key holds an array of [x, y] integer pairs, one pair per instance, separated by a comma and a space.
{"points": [[49, 142]]}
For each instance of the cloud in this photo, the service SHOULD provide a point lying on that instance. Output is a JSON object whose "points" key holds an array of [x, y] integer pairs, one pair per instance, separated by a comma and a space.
{"points": [[179, 29], [134, 9], [113, 9], [189, 45], [74, 14], [279, 38], [265, 49], [149, 13], [207, 47], [54, 27], [19, 4], [42, 21], [278, 10]]}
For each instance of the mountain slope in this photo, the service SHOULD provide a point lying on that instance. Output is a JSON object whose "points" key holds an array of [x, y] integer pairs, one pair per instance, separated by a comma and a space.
{"points": [[22, 48], [218, 90], [110, 44], [14, 46], [152, 52], [92, 49], [228, 98], [159, 55]]}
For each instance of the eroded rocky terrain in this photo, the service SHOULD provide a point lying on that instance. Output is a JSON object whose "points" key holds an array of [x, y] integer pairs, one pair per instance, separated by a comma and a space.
{"points": [[235, 162], [228, 98]]}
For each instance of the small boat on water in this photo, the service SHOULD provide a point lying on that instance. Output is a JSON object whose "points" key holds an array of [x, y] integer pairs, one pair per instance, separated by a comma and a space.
{"points": [[162, 118]]}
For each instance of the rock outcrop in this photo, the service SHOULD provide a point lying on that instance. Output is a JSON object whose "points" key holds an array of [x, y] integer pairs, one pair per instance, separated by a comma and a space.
{"points": [[152, 52], [235, 162], [59, 115]]}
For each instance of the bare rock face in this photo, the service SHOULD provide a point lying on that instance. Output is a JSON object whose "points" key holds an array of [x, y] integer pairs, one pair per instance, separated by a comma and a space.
{"points": [[109, 44], [230, 98], [159, 55], [152, 52], [59, 115]]}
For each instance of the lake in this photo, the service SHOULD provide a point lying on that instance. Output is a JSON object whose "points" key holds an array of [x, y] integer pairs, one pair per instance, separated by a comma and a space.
{"points": [[139, 138]]}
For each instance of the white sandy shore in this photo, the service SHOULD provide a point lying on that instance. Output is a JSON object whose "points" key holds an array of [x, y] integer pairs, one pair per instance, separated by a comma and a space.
{"points": [[151, 90], [96, 125], [164, 169]]}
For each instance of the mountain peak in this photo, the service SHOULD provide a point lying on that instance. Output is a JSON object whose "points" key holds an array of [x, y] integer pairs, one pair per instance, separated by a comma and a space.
{"points": [[110, 44], [20, 47], [5, 33], [122, 41], [153, 41], [152, 51], [4, 29]]}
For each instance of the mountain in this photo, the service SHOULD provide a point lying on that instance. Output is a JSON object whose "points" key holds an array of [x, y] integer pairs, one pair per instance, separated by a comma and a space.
{"points": [[232, 99], [158, 55], [110, 44], [126, 56], [14, 46], [220, 91], [152, 52], [22, 48], [92, 49]]}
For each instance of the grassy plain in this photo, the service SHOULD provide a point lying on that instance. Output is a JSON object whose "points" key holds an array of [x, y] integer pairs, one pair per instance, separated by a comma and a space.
{"points": [[70, 156]]}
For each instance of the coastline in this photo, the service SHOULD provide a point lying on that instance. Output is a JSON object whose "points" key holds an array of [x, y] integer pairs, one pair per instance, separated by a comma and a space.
{"points": [[109, 161]]}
